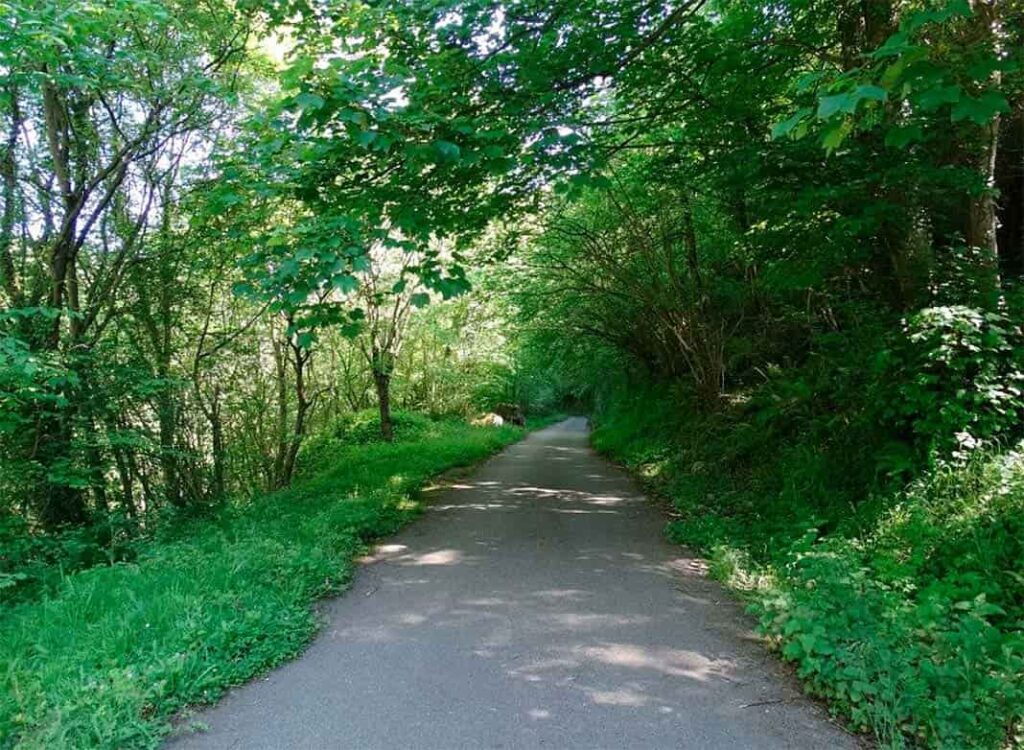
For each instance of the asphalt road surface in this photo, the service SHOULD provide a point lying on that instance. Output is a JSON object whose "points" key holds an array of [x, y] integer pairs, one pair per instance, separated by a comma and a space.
{"points": [[535, 605]]}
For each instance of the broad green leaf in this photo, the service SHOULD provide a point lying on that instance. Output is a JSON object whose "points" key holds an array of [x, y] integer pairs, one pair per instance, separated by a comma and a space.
{"points": [[307, 100], [932, 98], [345, 283], [834, 136], [784, 128], [902, 137], [835, 104], [981, 109], [873, 93], [447, 150]]}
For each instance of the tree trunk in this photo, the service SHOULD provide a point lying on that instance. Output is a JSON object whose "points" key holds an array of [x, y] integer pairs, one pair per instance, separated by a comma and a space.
{"points": [[1010, 182], [690, 242], [980, 232], [981, 215], [167, 419], [219, 484], [281, 381], [382, 382], [59, 504], [127, 481], [303, 403]]}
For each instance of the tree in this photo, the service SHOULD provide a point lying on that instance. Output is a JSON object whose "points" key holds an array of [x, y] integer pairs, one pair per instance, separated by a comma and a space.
{"points": [[98, 111]]}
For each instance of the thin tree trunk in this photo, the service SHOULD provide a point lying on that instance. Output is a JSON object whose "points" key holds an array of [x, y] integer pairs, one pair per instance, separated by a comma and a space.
{"points": [[382, 382], [981, 227], [219, 484], [981, 215], [303, 403]]}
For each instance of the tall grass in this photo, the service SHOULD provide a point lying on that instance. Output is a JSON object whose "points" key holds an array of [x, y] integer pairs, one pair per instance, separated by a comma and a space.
{"points": [[115, 651]]}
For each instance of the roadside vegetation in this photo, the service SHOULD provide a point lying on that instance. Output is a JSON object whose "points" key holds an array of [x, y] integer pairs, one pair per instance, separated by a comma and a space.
{"points": [[900, 603], [109, 656], [775, 248]]}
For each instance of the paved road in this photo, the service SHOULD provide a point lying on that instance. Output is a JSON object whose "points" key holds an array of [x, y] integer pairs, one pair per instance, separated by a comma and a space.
{"points": [[535, 605]]}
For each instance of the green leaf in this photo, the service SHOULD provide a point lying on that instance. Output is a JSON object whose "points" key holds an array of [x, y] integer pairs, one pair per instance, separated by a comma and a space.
{"points": [[784, 128], [936, 96], [243, 289], [447, 150], [420, 299], [903, 136], [307, 100], [831, 105], [894, 46], [874, 93], [345, 283], [981, 109], [834, 136], [301, 68]]}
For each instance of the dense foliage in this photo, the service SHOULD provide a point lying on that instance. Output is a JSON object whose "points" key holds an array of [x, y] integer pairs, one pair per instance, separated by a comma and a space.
{"points": [[775, 247]]}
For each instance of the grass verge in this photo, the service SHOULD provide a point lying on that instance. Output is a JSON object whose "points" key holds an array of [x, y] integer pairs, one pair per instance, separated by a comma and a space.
{"points": [[115, 651]]}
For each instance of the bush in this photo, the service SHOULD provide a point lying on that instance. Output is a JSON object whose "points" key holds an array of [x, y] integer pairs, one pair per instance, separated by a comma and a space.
{"points": [[33, 564], [363, 427], [914, 629], [902, 603], [955, 380]]}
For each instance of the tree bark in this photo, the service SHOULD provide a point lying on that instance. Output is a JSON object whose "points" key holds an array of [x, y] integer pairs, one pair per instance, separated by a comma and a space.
{"points": [[219, 483], [382, 382], [981, 215], [1010, 182]]}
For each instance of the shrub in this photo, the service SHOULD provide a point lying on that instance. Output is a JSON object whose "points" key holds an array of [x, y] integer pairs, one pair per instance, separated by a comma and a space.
{"points": [[954, 381], [902, 603]]}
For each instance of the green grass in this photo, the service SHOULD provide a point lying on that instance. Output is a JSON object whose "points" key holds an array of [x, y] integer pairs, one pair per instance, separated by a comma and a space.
{"points": [[903, 607], [114, 652]]}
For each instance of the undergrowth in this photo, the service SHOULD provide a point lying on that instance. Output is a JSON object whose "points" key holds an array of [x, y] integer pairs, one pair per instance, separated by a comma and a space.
{"points": [[900, 600], [113, 652]]}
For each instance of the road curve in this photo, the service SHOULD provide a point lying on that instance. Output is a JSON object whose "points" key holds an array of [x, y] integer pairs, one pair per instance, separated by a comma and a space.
{"points": [[535, 605]]}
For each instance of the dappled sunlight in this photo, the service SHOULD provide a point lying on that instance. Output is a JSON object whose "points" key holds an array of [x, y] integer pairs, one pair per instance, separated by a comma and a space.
{"points": [[591, 633], [578, 621], [383, 552], [582, 512], [574, 595], [412, 619], [668, 661], [438, 557], [567, 495], [618, 697], [471, 506]]}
